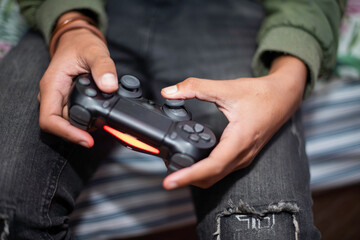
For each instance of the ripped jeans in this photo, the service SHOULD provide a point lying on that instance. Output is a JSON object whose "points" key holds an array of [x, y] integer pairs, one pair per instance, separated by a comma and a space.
{"points": [[268, 200], [162, 43]]}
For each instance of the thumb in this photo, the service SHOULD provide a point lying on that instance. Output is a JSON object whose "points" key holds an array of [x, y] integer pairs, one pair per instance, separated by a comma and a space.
{"points": [[104, 73], [202, 89]]}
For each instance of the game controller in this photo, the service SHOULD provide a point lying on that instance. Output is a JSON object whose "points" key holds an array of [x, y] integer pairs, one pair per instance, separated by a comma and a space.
{"points": [[166, 131]]}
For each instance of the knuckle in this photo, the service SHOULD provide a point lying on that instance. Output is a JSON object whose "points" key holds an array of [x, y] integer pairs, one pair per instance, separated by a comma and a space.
{"points": [[103, 63], [217, 169], [247, 162], [93, 49], [97, 50], [42, 83], [44, 124], [104, 60], [191, 82], [216, 173]]}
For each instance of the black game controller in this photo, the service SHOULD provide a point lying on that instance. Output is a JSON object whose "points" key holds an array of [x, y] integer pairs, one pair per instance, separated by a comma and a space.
{"points": [[140, 124]]}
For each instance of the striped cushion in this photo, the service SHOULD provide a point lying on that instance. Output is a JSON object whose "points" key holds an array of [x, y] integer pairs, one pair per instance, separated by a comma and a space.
{"points": [[332, 130], [125, 198]]}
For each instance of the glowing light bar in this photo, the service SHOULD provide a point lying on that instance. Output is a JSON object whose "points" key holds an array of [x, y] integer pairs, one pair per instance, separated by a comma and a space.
{"points": [[131, 140]]}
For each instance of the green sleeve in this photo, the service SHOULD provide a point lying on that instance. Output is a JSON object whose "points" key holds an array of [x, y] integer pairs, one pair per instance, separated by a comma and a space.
{"points": [[306, 29], [43, 14]]}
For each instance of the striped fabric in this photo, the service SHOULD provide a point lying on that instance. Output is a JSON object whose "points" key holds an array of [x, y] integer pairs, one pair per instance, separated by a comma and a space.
{"points": [[332, 114], [125, 198], [332, 130]]}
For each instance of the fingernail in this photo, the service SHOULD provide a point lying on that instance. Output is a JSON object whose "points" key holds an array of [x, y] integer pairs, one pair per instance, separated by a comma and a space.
{"points": [[170, 90], [172, 185], [84, 144], [109, 80]]}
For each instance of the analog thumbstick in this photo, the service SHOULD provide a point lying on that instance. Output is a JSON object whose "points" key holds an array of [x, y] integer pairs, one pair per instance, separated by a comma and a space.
{"points": [[129, 87]]}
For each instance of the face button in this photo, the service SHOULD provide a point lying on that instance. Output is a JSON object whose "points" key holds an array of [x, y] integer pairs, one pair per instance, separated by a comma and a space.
{"points": [[90, 92], [198, 128], [194, 137], [204, 136], [84, 81], [187, 128]]}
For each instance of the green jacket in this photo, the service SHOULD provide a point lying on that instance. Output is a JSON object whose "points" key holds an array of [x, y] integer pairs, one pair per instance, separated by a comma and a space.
{"points": [[307, 29]]}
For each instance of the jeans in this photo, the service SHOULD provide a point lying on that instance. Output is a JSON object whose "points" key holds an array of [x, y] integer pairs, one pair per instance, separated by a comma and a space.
{"points": [[161, 42]]}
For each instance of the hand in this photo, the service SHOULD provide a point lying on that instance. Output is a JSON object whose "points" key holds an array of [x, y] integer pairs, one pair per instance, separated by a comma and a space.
{"points": [[78, 51], [256, 109]]}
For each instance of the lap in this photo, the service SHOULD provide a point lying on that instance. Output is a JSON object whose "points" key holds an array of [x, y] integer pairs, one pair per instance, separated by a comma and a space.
{"points": [[207, 49], [269, 198], [195, 42], [40, 174]]}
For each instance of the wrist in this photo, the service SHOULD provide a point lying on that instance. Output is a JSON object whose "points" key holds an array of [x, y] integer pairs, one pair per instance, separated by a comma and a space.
{"points": [[289, 75], [289, 65], [71, 38], [69, 22], [289, 69]]}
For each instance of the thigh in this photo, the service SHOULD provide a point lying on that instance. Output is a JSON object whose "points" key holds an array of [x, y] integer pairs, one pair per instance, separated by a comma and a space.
{"points": [[174, 40], [271, 198], [20, 71], [40, 174]]}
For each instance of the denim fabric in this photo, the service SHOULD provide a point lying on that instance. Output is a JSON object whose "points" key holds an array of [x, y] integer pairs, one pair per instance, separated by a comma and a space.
{"points": [[40, 174], [268, 200], [162, 42]]}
